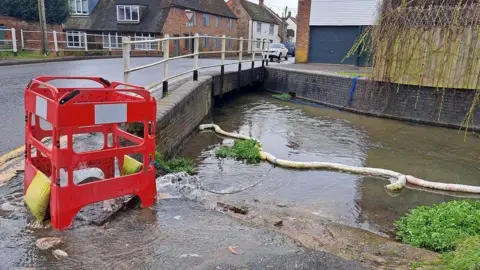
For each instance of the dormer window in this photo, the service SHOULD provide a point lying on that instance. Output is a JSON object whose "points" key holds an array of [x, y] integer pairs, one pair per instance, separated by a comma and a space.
{"points": [[128, 14]]}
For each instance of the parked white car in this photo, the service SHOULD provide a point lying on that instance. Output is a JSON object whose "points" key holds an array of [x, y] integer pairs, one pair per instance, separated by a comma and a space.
{"points": [[277, 50]]}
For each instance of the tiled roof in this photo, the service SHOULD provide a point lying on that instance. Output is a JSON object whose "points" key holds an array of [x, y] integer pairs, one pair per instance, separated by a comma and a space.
{"points": [[152, 17], [258, 13]]}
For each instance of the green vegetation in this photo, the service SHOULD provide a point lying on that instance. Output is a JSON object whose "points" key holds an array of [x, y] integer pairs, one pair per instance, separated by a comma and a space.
{"points": [[174, 165], [465, 257], [246, 150], [440, 227], [282, 96], [353, 74], [56, 11], [21, 54]]}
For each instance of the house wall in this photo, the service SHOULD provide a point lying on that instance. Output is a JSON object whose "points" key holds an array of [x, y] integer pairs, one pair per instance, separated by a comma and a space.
{"points": [[243, 29], [264, 33], [176, 25], [292, 26]]}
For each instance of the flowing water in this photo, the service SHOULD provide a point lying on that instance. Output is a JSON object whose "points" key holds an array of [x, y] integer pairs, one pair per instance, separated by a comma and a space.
{"points": [[183, 232], [305, 132]]}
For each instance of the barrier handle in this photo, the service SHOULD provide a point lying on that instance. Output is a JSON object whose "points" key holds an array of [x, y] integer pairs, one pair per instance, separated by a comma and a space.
{"points": [[69, 96]]}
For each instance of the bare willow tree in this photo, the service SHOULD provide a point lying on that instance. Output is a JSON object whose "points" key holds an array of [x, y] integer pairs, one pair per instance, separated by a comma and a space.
{"points": [[432, 43]]}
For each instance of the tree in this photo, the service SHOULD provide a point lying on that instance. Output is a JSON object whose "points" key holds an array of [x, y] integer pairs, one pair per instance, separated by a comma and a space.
{"points": [[57, 11]]}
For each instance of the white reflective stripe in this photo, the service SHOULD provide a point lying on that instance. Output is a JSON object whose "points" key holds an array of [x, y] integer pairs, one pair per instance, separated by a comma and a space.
{"points": [[110, 113], [41, 107]]}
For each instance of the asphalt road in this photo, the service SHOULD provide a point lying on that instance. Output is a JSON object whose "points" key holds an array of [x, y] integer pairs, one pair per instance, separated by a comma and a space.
{"points": [[15, 78]]}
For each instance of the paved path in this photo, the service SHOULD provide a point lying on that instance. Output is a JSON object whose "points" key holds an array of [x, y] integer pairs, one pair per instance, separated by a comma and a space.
{"points": [[15, 78]]}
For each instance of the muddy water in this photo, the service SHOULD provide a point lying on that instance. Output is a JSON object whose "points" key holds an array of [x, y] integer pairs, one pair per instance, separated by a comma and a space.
{"points": [[302, 132]]}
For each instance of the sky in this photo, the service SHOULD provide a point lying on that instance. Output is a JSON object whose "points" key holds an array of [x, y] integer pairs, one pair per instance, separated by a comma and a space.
{"points": [[279, 5]]}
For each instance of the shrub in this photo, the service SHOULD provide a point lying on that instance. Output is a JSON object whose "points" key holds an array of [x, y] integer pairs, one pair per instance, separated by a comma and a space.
{"points": [[246, 150], [282, 96], [440, 227]]}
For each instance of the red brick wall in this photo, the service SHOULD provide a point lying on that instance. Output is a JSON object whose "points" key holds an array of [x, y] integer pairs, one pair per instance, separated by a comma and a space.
{"points": [[243, 18], [303, 31], [176, 26], [32, 40]]}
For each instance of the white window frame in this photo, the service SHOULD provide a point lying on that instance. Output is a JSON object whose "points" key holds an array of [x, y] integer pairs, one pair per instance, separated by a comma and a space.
{"points": [[259, 41], [73, 43], [259, 27], [74, 4], [217, 21], [116, 36], [218, 43], [206, 20], [130, 12], [230, 43], [230, 23], [150, 46], [272, 29]]}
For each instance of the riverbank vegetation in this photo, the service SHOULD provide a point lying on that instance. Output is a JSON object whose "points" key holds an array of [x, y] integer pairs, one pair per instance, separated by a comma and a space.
{"points": [[174, 165], [452, 228], [245, 150], [283, 96]]}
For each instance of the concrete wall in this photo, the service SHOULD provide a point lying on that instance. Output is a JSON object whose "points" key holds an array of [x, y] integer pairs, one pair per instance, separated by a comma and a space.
{"points": [[181, 112], [402, 102]]}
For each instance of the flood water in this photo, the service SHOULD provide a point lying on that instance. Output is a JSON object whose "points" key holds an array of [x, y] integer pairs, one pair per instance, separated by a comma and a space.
{"points": [[308, 132], [185, 233]]}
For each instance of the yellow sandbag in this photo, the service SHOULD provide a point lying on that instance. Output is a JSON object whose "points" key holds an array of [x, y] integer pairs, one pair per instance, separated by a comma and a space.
{"points": [[37, 197], [130, 165]]}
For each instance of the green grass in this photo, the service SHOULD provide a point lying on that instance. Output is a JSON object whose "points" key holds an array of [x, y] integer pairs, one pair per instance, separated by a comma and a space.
{"points": [[440, 227], [353, 74], [245, 150], [175, 165], [465, 257], [282, 96], [21, 54]]}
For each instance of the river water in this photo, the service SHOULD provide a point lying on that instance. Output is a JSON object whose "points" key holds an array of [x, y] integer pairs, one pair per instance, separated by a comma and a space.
{"points": [[308, 132]]}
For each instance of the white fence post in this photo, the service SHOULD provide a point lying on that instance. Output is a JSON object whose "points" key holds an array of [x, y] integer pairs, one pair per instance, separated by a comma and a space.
{"points": [[126, 59], [240, 49], [86, 41], [196, 47], [223, 49], [22, 39], [14, 42], [166, 55], [55, 42], [110, 41]]}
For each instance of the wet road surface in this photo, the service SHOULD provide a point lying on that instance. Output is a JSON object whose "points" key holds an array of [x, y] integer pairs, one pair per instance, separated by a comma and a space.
{"points": [[13, 80]]}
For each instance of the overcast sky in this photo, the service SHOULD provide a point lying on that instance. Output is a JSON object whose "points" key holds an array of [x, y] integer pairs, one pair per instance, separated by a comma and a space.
{"points": [[279, 5]]}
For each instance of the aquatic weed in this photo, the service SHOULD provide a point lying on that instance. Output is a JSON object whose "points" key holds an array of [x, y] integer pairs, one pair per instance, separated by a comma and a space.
{"points": [[283, 96], [174, 165], [246, 150]]}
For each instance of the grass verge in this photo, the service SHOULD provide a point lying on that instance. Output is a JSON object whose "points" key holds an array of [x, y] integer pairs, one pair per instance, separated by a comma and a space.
{"points": [[244, 150]]}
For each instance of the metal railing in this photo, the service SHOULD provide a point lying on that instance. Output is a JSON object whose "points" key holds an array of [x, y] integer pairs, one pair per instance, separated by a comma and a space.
{"points": [[8, 40], [127, 43]]}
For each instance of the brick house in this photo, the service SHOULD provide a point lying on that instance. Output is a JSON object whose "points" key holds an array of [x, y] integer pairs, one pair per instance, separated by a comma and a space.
{"points": [[149, 19], [255, 22]]}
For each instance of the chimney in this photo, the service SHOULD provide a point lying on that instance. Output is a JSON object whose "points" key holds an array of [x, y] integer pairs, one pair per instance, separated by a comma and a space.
{"points": [[260, 3]]}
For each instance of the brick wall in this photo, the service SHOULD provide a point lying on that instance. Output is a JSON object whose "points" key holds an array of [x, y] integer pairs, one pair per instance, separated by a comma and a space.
{"points": [[402, 102], [181, 112], [303, 31], [176, 26], [243, 18], [32, 40]]}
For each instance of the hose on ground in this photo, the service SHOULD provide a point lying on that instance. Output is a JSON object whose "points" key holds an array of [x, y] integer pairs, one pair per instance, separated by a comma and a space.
{"points": [[399, 184]]}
